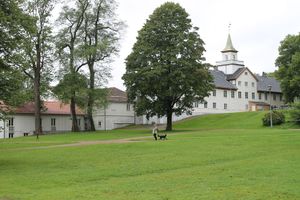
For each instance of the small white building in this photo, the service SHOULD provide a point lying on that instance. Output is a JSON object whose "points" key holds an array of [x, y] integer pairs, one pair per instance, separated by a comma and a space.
{"points": [[55, 117], [118, 113]]}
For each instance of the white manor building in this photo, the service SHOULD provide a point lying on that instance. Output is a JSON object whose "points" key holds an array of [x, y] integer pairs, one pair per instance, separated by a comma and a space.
{"points": [[237, 89]]}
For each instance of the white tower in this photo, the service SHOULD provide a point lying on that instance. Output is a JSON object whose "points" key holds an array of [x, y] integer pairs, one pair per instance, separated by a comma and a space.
{"points": [[230, 62]]}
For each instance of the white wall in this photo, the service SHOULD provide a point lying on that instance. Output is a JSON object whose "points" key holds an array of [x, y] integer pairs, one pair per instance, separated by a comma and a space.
{"points": [[116, 115], [26, 124]]}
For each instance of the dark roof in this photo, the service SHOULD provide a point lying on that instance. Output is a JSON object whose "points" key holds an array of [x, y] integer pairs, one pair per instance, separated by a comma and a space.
{"points": [[50, 108], [220, 80], [264, 82], [116, 95], [238, 72]]}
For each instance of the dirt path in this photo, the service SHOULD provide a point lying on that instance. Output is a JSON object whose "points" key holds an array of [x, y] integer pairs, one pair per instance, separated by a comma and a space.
{"points": [[86, 143]]}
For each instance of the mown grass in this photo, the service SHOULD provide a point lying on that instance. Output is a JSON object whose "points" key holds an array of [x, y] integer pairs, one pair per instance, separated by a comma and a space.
{"points": [[243, 120], [199, 161]]}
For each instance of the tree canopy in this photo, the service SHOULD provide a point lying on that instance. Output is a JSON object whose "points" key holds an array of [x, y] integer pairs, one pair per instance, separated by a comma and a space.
{"points": [[288, 63], [165, 72]]}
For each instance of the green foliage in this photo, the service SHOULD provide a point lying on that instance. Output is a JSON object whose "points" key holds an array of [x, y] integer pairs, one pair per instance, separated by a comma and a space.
{"points": [[288, 62], [165, 67], [72, 85], [14, 90], [277, 118], [295, 112], [14, 22]]}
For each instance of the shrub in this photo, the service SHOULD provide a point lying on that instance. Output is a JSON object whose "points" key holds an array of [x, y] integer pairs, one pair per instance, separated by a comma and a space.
{"points": [[277, 118], [295, 112]]}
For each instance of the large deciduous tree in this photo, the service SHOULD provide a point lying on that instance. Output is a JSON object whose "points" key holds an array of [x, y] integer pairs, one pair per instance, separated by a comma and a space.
{"points": [[35, 53], [101, 33], [288, 63], [89, 37], [71, 20], [165, 73]]}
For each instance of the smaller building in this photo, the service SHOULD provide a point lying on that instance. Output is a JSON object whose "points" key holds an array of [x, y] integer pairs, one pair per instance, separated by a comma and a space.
{"points": [[55, 117], [118, 113]]}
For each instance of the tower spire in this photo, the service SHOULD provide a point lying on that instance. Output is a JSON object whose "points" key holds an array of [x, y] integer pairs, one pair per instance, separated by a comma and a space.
{"points": [[229, 47]]}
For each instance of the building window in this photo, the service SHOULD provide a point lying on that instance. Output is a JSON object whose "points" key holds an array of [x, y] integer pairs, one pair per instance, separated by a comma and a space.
{"points": [[233, 57], [246, 95], [225, 106], [253, 84], [246, 73], [11, 122], [225, 93], [196, 104], [274, 97], [128, 107], [266, 96], [246, 83], [99, 124], [253, 95], [239, 83], [214, 93], [78, 122], [53, 122], [205, 104], [232, 94], [280, 97], [240, 95], [246, 106], [226, 57], [214, 105], [259, 96]]}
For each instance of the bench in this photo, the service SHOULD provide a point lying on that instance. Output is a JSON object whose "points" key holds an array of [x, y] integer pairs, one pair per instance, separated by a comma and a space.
{"points": [[26, 134]]}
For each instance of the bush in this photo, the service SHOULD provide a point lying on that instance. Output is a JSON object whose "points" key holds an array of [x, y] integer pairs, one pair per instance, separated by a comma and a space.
{"points": [[295, 113], [277, 118]]}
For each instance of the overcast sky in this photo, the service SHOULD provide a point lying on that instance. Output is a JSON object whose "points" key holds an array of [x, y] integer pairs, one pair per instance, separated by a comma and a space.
{"points": [[257, 28]]}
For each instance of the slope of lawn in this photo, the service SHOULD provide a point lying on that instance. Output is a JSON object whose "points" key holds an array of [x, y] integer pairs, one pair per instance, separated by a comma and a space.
{"points": [[242, 120], [209, 161]]}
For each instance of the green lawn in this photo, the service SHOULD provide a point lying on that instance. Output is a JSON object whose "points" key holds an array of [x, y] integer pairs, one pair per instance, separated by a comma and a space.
{"points": [[211, 157]]}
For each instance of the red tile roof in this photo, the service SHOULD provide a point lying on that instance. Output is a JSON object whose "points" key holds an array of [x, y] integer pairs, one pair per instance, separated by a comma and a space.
{"points": [[50, 108]]}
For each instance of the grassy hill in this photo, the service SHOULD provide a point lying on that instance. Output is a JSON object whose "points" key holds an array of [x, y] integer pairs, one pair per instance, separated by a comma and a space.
{"points": [[243, 120], [223, 156]]}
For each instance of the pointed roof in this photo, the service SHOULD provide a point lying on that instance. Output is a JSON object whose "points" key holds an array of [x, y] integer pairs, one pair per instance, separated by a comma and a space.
{"points": [[229, 47]]}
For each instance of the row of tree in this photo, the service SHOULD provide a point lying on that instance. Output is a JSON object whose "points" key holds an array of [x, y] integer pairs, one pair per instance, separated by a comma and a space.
{"points": [[165, 73], [82, 43]]}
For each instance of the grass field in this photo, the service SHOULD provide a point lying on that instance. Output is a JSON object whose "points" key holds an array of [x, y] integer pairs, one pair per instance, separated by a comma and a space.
{"points": [[210, 157]]}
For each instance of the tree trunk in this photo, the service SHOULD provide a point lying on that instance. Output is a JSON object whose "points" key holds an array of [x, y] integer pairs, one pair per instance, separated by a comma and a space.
{"points": [[90, 105], [75, 127], [169, 120], [37, 98]]}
